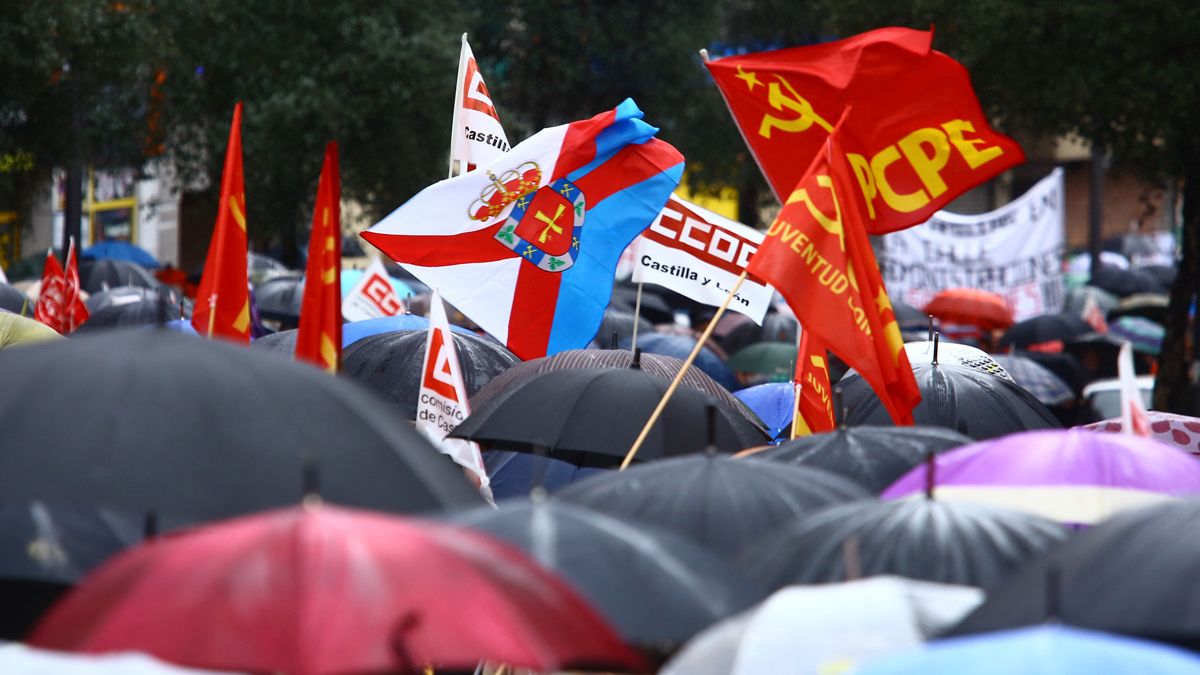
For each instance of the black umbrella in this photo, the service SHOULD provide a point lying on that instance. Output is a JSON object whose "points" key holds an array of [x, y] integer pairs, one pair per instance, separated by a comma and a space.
{"points": [[946, 542], [14, 300], [390, 364], [1123, 282], [1042, 329], [97, 274], [1133, 574], [655, 587], [591, 417], [129, 306], [279, 298], [957, 397], [1164, 273], [1152, 306], [718, 502], [157, 421], [619, 322], [656, 364], [873, 457], [1062, 364], [281, 342], [654, 307]]}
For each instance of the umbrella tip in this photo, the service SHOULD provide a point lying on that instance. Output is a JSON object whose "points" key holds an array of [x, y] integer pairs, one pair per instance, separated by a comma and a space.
{"points": [[711, 448], [636, 363], [150, 526], [936, 339], [930, 474], [1053, 593], [612, 343], [311, 479], [839, 408]]}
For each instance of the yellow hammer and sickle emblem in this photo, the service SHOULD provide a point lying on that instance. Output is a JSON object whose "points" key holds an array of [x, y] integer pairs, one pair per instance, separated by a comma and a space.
{"points": [[551, 223], [794, 102], [832, 226]]}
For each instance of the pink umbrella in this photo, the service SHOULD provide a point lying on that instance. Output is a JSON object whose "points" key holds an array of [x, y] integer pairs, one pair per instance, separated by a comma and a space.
{"points": [[1072, 476], [1178, 430]]}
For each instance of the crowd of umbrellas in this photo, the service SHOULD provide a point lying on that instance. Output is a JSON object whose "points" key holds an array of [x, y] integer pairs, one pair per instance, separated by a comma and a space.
{"points": [[176, 505]]}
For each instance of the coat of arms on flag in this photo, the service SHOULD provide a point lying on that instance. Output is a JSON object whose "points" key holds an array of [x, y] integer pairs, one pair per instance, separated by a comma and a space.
{"points": [[507, 243]]}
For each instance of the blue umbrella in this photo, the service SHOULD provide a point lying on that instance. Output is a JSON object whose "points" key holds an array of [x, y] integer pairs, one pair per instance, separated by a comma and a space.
{"points": [[680, 347], [356, 330], [773, 403], [351, 277], [1049, 649], [121, 250], [515, 474]]}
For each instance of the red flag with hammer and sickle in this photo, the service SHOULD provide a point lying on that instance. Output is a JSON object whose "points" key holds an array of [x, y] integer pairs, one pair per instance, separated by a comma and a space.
{"points": [[319, 339], [223, 300], [814, 410], [818, 256], [925, 139]]}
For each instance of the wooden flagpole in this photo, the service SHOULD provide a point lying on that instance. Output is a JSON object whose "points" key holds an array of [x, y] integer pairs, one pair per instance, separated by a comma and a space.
{"points": [[797, 386], [682, 370]]}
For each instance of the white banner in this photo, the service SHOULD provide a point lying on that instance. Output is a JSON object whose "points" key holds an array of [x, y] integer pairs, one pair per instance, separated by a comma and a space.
{"points": [[442, 400], [477, 137], [373, 296], [1015, 251], [700, 254]]}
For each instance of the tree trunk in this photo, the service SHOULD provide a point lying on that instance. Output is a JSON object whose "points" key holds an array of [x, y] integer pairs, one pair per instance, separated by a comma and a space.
{"points": [[1172, 386]]}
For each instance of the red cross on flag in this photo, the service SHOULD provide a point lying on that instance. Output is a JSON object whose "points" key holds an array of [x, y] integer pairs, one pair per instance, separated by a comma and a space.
{"points": [[442, 403]]}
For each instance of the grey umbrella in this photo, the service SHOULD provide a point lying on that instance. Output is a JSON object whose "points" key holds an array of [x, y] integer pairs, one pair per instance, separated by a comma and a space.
{"points": [[718, 502], [947, 542], [656, 587]]}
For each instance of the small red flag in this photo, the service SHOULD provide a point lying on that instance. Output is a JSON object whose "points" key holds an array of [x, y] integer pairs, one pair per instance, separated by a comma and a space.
{"points": [[223, 299], [814, 408], [51, 308], [319, 339], [75, 311], [818, 257], [924, 137]]}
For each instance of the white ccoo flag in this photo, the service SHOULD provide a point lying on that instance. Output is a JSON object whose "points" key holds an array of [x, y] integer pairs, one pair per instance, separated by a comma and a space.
{"points": [[476, 135]]}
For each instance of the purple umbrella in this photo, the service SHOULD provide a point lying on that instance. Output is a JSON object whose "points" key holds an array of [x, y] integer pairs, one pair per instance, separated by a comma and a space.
{"points": [[1072, 476]]}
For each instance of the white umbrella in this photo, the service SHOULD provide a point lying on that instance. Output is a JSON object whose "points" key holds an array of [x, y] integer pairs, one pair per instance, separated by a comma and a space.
{"points": [[19, 659], [829, 628]]}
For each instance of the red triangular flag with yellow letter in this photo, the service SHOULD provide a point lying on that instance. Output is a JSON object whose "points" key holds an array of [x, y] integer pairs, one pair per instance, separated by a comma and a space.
{"points": [[223, 301], [319, 339]]}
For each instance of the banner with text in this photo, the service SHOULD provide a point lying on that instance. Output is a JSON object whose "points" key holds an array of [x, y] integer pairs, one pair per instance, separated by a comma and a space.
{"points": [[1015, 251], [700, 254]]}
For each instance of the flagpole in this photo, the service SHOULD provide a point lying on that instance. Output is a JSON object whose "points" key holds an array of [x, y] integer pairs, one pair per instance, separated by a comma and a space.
{"points": [[798, 384], [682, 370], [637, 315], [458, 94]]}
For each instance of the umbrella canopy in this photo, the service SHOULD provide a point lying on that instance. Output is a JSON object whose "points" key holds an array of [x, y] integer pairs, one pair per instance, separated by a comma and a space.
{"points": [[910, 319], [1133, 574], [1164, 273], [279, 298], [316, 590], [818, 629], [972, 307], [1076, 300], [128, 306], [390, 364], [873, 457], [1152, 306], [617, 325], [1037, 379], [121, 250], [956, 397], [656, 364], [718, 502], [946, 542], [1125, 282], [96, 275], [680, 346], [1045, 650], [655, 307], [654, 586], [1180, 431], [776, 360], [356, 330], [240, 426], [774, 403], [1145, 335], [1072, 476], [1065, 365], [16, 330], [1044, 329], [591, 417], [14, 300], [281, 342]]}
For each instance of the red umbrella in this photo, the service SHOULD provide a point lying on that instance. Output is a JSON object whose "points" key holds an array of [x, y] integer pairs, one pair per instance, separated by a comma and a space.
{"points": [[317, 590], [972, 307]]}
